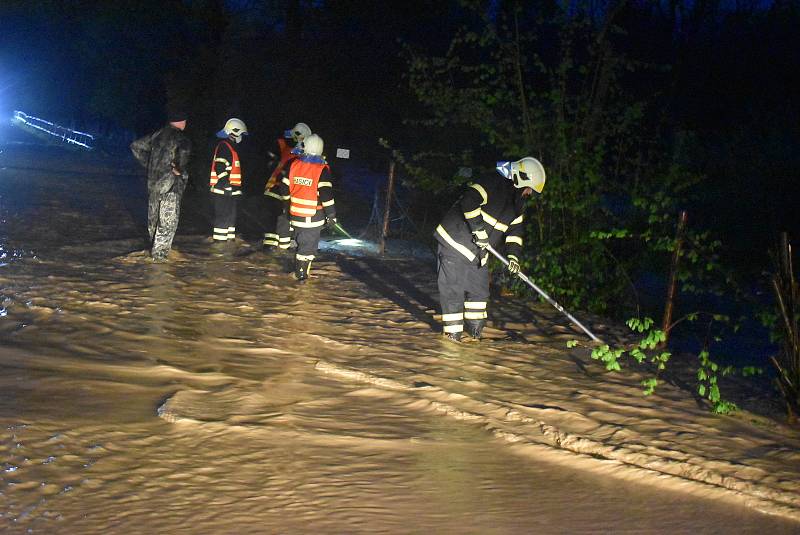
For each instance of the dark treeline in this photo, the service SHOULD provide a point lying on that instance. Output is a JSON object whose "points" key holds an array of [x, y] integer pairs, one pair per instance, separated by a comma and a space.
{"points": [[636, 108]]}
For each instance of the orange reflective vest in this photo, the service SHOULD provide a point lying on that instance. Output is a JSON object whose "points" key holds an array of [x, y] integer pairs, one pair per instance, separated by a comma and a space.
{"points": [[234, 169], [286, 157], [303, 188]]}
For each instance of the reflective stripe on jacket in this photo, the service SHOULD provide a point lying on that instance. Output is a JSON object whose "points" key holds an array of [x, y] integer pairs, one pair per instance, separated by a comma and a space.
{"points": [[286, 157], [492, 205], [303, 188], [232, 171]]}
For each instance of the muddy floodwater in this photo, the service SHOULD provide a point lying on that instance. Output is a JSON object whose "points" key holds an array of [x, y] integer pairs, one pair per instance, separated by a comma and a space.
{"points": [[213, 394]]}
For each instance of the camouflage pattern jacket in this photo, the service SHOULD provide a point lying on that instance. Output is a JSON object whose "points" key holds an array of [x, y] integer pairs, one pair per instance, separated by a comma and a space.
{"points": [[161, 152]]}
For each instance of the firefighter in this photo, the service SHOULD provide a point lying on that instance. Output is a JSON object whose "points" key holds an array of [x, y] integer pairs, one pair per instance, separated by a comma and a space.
{"points": [[309, 193], [165, 155], [488, 212], [226, 180], [276, 224]]}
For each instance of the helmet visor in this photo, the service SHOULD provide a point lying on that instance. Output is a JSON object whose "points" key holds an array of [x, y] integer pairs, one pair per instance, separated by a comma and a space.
{"points": [[504, 168]]}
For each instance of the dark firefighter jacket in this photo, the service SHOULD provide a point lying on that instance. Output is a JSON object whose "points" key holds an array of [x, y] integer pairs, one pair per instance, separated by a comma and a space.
{"points": [[159, 153], [286, 156], [309, 192], [492, 204]]}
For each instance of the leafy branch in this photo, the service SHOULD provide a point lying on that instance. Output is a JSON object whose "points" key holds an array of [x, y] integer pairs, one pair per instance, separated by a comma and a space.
{"points": [[648, 350]]}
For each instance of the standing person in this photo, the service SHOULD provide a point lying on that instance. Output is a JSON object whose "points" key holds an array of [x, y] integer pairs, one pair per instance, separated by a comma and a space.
{"points": [[309, 190], [165, 154], [488, 210], [226, 180], [276, 224]]}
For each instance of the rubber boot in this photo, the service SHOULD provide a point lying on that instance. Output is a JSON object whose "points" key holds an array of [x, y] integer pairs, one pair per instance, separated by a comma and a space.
{"points": [[302, 268], [453, 337], [474, 328]]}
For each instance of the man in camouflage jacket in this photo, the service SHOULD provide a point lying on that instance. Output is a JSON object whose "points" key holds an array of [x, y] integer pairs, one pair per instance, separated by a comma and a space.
{"points": [[165, 155]]}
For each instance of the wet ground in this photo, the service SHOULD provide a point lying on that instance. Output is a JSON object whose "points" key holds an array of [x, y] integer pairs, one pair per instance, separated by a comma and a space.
{"points": [[214, 394]]}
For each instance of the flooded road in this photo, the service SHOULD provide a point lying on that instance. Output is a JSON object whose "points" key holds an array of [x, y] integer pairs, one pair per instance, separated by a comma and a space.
{"points": [[213, 394]]}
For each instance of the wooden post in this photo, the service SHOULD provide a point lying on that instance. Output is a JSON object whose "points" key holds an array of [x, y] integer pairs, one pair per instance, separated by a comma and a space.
{"points": [[387, 208], [673, 275]]}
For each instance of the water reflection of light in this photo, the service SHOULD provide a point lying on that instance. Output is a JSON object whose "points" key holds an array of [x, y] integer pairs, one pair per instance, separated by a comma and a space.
{"points": [[7, 255], [351, 242], [350, 246]]}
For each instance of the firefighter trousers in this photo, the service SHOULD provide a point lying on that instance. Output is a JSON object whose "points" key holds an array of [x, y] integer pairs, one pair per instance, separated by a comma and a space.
{"points": [[163, 213], [463, 290], [276, 223], [225, 216], [307, 242]]}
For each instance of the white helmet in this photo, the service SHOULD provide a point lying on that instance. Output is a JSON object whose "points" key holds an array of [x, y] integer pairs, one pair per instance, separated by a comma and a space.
{"points": [[234, 128], [525, 173], [313, 145], [299, 132]]}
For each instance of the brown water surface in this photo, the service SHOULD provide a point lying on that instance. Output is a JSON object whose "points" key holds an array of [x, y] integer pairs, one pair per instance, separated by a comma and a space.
{"points": [[213, 394]]}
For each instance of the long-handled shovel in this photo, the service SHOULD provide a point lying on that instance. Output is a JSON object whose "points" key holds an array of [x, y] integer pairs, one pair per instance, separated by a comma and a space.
{"points": [[541, 292]]}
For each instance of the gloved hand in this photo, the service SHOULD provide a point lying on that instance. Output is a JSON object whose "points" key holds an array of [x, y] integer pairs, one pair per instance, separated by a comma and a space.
{"points": [[331, 223], [480, 238], [513, 265]]}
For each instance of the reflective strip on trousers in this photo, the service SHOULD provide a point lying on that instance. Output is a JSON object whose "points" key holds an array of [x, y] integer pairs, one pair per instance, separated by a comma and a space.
{"points": [[270, 238], [475, 310], [220, 234], [453, 323]]}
